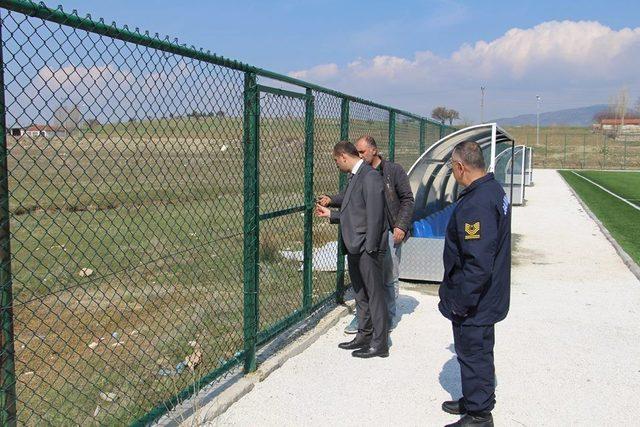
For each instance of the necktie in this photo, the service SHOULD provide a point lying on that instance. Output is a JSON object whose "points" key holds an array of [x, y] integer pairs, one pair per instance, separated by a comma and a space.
{"points": [[349, 180]]}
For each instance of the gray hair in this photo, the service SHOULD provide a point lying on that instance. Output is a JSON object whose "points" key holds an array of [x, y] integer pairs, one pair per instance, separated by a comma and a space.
{"points": [[470, 154], [369, 140]]}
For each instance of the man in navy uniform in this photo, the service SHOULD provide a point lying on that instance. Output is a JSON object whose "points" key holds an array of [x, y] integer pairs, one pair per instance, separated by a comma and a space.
{"points": [[474, 293]]}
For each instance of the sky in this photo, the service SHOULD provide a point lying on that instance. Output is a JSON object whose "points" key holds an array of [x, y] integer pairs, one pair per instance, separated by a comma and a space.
{"points": [[416, 55]]}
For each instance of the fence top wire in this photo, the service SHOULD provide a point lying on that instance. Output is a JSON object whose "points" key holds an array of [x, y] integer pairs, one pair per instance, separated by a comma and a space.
{"points": [[73, 20]]}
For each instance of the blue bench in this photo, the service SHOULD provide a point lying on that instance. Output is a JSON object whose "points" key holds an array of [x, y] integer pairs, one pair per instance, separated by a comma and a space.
{"points": [[434, 225]]}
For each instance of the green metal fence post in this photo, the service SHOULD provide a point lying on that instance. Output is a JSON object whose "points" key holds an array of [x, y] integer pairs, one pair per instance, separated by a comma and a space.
{"points": [[422, 136], [441, 125], [546, 149], [392, 135], [624, 159], [344, 136], [584, 151], [251, 219], [7, 352], [604, 152], [307, 270]]}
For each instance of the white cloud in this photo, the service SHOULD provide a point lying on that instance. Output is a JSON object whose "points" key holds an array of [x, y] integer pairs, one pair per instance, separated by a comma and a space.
{"points": [[551, 58], [319, 72]]}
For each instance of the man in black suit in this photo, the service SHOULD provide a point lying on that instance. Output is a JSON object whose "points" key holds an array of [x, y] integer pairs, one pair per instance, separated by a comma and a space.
{"points": [[364, 234]]}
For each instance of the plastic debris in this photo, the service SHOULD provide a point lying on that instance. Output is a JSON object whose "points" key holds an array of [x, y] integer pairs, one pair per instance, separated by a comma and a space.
{"points": [[93, 345], [169, 372], [191, 361], [108, 397], [85, 272], [223, 148], [97, 411], [195, 358]]}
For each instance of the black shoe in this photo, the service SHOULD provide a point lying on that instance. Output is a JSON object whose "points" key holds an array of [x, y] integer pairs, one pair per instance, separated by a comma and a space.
{"points": [[368, 352], [354, 344], [475, 420], [455, 407]]}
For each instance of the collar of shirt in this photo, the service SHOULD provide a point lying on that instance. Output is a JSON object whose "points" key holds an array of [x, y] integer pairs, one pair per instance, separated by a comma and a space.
{"points": [[379, 167], [356, 167], [476, 183]]}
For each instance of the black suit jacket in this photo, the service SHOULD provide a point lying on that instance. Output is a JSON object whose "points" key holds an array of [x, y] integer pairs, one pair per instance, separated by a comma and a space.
{"points": [[362, 213]]}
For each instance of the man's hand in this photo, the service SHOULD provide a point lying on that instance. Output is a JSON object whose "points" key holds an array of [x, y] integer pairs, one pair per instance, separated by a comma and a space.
{"points": [[398, 235], [324, 200], [322, 212]]}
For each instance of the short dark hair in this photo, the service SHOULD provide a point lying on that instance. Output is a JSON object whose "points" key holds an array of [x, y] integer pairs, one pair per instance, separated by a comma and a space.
{"points": [[470, 154], [345, 147], [369, 140]]}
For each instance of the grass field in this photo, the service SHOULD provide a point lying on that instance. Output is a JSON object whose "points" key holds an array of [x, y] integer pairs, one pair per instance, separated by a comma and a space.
{"points": [[620, 219]]}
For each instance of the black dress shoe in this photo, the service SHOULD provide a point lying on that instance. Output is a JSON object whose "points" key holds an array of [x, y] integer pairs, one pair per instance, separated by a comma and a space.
{"points": [[354, 344], [455, 407], [367, 352], [475, 420]]}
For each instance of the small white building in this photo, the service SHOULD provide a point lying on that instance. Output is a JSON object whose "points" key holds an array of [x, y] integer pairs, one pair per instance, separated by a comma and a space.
{"points": [[45, 131], [618, 126]]}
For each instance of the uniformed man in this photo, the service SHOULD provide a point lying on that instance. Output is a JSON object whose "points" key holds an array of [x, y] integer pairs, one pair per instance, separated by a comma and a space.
{"points": [[474, 293]]}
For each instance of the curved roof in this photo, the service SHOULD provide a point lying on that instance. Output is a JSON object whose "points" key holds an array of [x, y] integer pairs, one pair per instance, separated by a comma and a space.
{"points": [[479, 133], [431, 181]]}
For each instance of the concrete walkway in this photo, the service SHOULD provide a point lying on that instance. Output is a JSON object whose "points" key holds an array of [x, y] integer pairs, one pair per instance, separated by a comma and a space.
{"points": [[567, 354]]}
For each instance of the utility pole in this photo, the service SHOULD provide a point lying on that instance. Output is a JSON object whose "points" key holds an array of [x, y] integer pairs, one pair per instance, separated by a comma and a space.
{"points": [[537, 120], [482, 88]]}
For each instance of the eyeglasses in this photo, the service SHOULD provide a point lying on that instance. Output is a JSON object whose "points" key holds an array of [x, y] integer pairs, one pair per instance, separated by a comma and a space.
{"points": [[450, 163]]}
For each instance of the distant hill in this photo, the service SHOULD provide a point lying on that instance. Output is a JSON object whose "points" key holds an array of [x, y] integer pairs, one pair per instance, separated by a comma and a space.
{"points": [[572, 117]]}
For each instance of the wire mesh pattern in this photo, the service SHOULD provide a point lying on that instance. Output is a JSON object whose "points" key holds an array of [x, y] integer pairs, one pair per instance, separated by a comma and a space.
{"points": [[581, 149], [407, 144], [369, 120], [125, 228], [326, 134], [281, 188]]}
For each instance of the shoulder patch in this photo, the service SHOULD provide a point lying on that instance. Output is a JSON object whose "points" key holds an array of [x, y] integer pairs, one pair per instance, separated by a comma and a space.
{"points": [[472, 231]]}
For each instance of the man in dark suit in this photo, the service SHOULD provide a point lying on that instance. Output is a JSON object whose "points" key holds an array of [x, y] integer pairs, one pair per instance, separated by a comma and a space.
{"points": [[364, 234], [399, 209]]}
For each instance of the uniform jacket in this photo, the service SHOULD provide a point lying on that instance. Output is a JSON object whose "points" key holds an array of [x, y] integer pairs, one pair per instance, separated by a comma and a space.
{"points": [[397, 193], [362, 214], [477, 256]]}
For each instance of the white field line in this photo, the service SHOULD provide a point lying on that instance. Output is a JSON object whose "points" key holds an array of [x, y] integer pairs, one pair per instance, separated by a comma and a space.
{"points": [[604, 189]]}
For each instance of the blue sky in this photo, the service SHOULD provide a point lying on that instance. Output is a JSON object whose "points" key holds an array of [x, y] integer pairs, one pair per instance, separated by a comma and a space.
{"points": [[400, 53]]}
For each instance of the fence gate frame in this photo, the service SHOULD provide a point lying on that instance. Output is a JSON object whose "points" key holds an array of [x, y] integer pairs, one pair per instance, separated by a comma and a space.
{"points": [[253, 336]]}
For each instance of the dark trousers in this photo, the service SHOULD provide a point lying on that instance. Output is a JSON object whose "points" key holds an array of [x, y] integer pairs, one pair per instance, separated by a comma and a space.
{"points": [[365, 272], [474, 348]]}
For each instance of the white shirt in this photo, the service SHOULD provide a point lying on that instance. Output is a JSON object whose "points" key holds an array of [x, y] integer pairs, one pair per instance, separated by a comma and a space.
{"points": [[356, 167]]}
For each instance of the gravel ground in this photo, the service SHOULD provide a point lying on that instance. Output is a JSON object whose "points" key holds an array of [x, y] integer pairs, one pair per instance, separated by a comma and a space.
{"points": [[567, 354]]}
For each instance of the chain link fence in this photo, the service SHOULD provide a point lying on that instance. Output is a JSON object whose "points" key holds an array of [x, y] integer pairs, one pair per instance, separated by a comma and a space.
{"points": [[579, 148], [157, 213]]}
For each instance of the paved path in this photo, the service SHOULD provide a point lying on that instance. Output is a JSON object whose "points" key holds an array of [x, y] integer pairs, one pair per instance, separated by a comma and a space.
{"points": [[567, 354]]}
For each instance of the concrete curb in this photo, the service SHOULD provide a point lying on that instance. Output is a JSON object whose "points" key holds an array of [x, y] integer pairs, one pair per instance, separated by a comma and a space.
{"points": [[271, 363], [628, 261]]}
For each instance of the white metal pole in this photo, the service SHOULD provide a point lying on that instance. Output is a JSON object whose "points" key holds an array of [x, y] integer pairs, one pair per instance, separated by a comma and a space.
{"points": [[482, 88], [537, 120], [492, 165]]}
